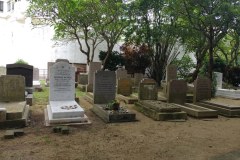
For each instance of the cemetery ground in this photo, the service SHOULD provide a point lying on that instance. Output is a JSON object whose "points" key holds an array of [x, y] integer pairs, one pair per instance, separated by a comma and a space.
{"points": [[194, 139]]}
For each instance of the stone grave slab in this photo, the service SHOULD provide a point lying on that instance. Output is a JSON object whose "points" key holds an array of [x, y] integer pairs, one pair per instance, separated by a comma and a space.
{"points": [[137, 78], [121, 73], [127, 99], [16, 114], [225, 110], [197, 111], [171, 72], [160, 111], [219, 77], [113, 116]]}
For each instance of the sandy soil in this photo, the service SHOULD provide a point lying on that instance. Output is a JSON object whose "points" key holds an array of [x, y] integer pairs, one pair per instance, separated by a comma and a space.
{"points": [[146, 139]]}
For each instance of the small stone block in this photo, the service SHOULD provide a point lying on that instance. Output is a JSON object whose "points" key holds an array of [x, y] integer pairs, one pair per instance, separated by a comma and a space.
{"points": [[18, 132], [57, 129], [65, 130], [9, 134]]}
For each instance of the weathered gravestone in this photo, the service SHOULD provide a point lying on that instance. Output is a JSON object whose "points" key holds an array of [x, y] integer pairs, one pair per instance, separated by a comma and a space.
{"points": [[104, 92], [2, 70], [62, 106], [150, 106], [83, 78], [177, 91], [124, 90], [22, 69], [137, 78], [124, 86], [219, 77], [104, 88], [35, 74], [148, 90], [12, 88], [121, 73], [202, 89], [93, 67], [13, 108], [171, 72]]}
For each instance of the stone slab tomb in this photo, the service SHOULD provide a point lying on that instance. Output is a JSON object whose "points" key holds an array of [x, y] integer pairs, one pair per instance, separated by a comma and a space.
{"points": [[104, 92], [13, 108], [62, 106], [151, 107]]}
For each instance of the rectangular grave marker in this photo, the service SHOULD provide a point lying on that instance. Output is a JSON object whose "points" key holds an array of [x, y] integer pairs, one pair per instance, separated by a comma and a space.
{"points": [[171, 73], [93, 67], [202, 89], [125, 86], [177, 91], [104, 88], [147, 90]]}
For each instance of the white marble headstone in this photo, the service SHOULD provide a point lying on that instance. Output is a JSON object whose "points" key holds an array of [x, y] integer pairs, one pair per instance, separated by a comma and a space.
{"points": [[62, 82]]}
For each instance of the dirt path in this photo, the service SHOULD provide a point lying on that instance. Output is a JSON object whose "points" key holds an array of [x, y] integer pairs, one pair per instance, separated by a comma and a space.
{"points": [[214, 139]]}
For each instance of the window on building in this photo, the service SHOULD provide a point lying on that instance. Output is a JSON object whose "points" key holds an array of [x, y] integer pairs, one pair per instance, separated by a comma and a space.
{"points": [[1, 6], [8, 6]]}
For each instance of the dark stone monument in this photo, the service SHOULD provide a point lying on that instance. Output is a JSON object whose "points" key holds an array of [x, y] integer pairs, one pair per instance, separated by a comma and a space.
{"points": [[177, 91], [148, 90], [202, 89], [22, 69]]}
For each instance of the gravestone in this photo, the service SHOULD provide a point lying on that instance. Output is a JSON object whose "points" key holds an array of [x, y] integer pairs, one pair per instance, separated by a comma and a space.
{"points": [[2, 71], [93, 67], [121, 73], [62, 106], [202, 89], [137, 78], [219, 77], [12, 88], [22, 69], [148, 90], [104, 88], [177, 91], [171, 73], [35, 74], [124, 86], [83, 78]]}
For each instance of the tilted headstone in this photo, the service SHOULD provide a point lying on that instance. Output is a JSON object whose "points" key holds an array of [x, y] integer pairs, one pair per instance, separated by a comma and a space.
{"points": [[22, 69], [62, 82], [2, 71], [202, 89], [121, 73], [35, 74], [219, 77], [124, 86], [137, 78], [171, 72], [148, 90], [177, 91], [83, 78], [104, 87], [93, 67], [12, 88]]}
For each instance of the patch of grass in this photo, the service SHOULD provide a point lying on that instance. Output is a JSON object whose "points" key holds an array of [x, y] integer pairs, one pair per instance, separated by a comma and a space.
{"points": [[41, 98], [79, 93]]}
